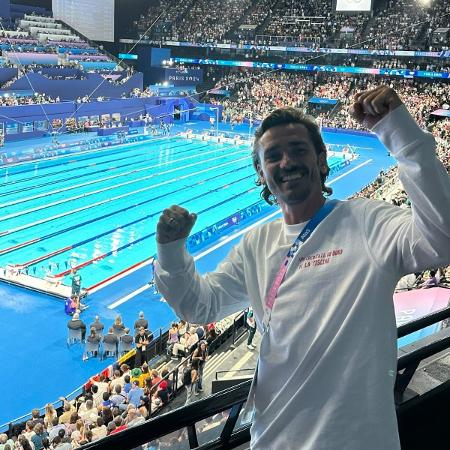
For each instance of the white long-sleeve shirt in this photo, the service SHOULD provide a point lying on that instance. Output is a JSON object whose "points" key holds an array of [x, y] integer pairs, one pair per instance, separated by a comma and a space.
{"points": [[328, 362]]}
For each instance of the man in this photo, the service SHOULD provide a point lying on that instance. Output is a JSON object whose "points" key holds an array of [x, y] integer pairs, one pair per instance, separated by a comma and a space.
{"points": [[77, 324], [98, 326], [141, 322], [76, 283], [56, 426], [328, 321], [110, 337], [142, 340], [134, 396], [127, 339]]}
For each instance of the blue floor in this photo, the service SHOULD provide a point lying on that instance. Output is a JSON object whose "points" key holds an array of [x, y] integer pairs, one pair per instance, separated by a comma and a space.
{"points": [[38, 366]]}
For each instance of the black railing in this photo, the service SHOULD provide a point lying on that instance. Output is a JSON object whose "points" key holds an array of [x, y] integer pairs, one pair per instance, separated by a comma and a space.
{"points": [[409, 361], [423, 322]]}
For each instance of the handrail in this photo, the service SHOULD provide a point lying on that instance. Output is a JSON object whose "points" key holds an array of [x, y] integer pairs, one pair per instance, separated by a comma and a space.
{"points": [[422, 353], [423, 322]]}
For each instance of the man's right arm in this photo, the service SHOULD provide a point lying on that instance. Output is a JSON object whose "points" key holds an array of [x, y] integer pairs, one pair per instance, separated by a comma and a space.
{"points": [[193, 297]]}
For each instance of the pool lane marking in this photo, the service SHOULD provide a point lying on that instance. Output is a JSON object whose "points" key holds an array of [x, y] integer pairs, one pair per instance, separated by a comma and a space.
{"points": [[100, 163], [108, 148], [110, 188], [99, 180], [225, 241], [48, 219], [112, 230], [104, 216], [147, 236], [196, 257]]}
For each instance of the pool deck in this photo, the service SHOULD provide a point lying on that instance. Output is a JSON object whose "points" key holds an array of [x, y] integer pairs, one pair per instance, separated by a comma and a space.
{"points": [[48, 286]]}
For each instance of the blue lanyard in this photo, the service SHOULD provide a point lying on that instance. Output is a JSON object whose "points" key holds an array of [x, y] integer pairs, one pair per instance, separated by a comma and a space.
{"points": [[301, 239]]}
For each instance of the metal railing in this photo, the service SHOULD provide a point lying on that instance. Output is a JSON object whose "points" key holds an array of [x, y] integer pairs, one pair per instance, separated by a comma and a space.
{"points": [[410, 361]]}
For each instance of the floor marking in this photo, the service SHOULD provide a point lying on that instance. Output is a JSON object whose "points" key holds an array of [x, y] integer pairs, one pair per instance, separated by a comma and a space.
{"points": [[243, 360], [127, 297], [350, 171]]}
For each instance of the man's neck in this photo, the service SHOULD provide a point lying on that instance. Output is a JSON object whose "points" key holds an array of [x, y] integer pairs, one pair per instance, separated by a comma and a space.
{"points": [[301, 212]]}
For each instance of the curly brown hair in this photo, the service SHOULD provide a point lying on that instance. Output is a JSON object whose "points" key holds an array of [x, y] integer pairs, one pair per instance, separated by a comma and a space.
{"points": [[285, 116]]}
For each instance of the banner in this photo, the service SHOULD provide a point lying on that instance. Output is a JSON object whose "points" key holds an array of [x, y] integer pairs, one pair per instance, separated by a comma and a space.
{"points": [[405, 73]]}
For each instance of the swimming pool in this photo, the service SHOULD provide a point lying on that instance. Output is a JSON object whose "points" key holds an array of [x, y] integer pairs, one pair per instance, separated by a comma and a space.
{"points": [[97, 210]]}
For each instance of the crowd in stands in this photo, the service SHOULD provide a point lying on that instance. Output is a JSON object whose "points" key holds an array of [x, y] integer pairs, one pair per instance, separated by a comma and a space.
{"points": [[396, 25], [255, 94], [14, 100]]}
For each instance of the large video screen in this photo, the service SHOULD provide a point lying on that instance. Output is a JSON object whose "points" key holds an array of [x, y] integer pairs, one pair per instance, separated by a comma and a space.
{"points": [[353, 5], [93, 18]]}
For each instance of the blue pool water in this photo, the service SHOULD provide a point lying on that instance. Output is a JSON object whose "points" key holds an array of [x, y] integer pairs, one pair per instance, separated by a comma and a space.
{"points": [[98, 210]]}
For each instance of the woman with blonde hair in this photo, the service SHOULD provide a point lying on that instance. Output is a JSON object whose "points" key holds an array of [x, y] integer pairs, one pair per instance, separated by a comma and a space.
{"points": [[78, 435], [50, 413]]}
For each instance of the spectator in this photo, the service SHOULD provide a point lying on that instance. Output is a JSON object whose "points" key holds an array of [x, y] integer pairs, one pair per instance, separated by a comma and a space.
{"points": [[186, 343], [145, 407], [77, 324], [120, 425], [35, 417], [119, 397], [135, 394], [134, 417], [189, 378], [199, 357], [68, 409], [39, 434], [251, 328], [5, 441], [24, 443], [127, 384], [50, 414], [55, 427], [116, 380], [100, 431], [431, 281], [89, 413]]}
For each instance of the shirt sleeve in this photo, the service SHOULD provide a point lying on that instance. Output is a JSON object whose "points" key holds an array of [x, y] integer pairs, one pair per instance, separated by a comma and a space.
{"points": [[196, 298], [416, 239]]}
